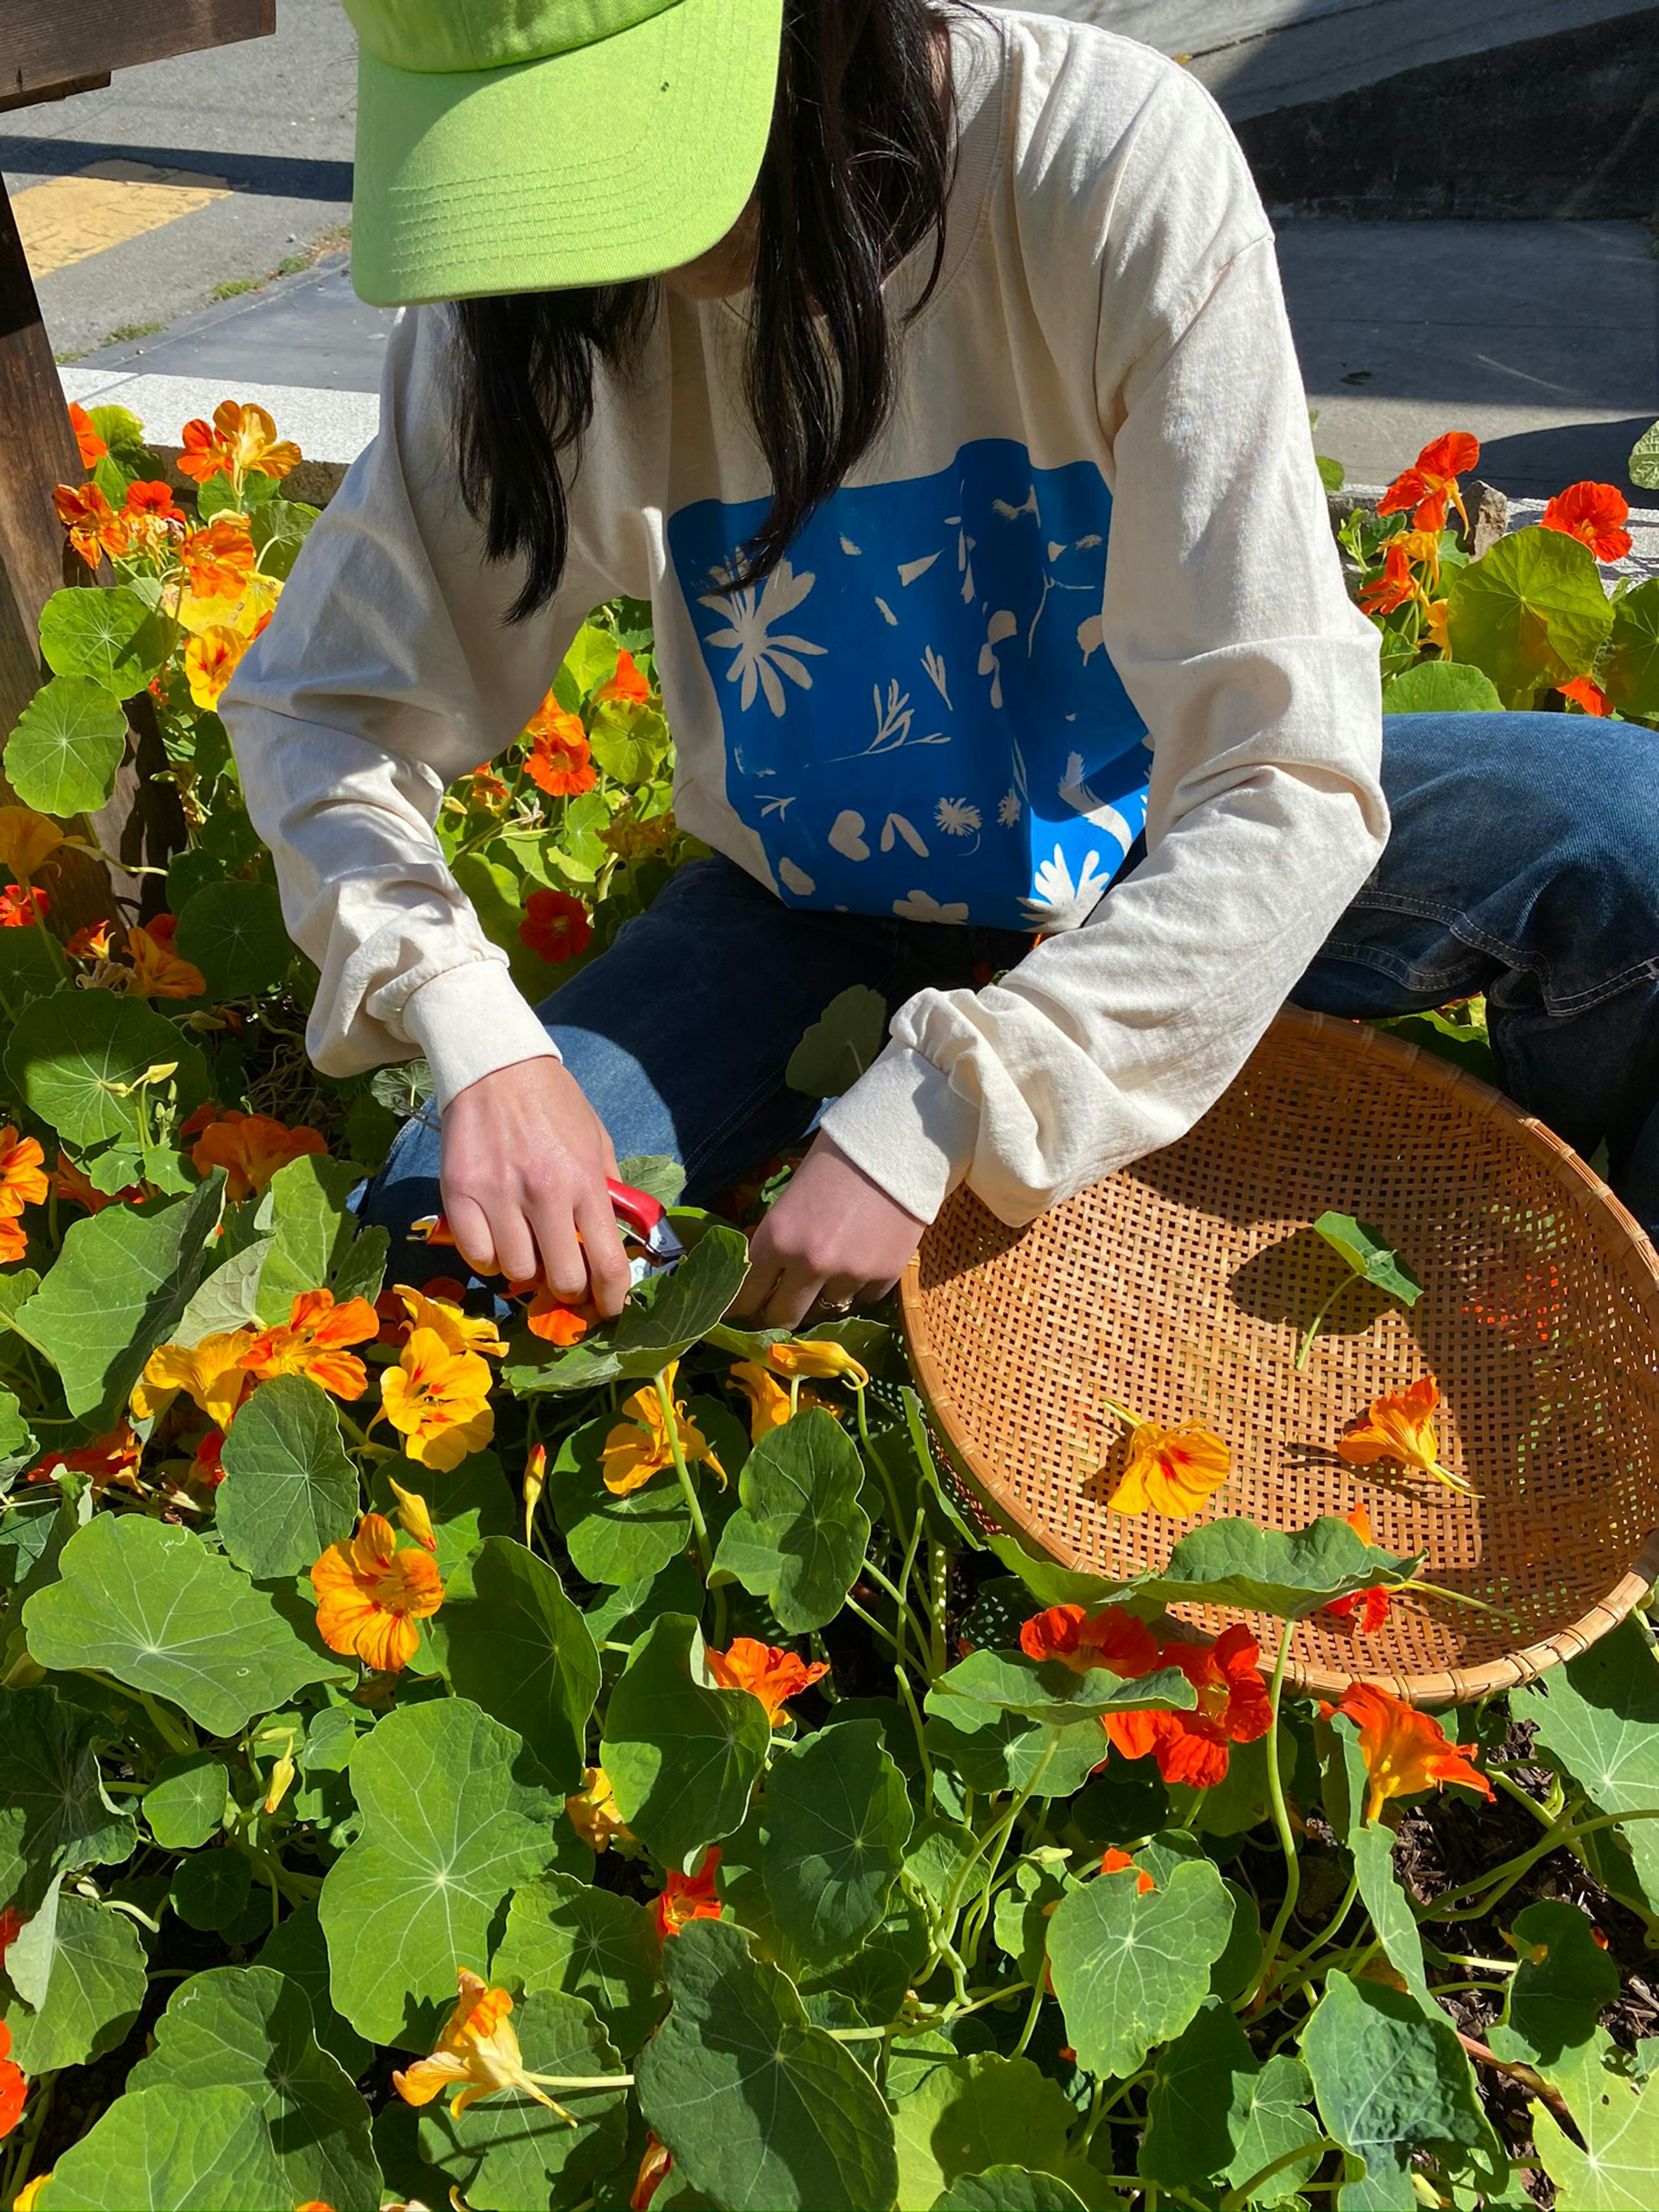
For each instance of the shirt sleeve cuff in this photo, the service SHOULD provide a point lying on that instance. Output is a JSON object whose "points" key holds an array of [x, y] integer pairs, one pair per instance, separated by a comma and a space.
{"points": [[470, 1020], [907, 1129]]}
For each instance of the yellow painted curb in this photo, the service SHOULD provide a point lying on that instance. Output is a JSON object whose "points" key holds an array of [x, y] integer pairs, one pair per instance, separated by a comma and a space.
{"points": [[71, 218]]}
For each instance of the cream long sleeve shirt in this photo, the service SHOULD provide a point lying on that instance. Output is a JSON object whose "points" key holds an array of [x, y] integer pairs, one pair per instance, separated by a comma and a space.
{"points": [[1083, 586]]}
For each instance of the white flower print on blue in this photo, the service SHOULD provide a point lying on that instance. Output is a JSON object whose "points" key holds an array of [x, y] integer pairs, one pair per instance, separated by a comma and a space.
{"points": [[920, 716]]}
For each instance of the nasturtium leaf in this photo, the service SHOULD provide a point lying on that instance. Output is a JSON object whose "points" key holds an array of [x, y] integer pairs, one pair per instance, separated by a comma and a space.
{"points": [[248, 2028], [563, 1935], [1391, 1915], [520, 1649], [1629, 673], [72, 1054], [1531, 611], [186, 1803], [289, 1490], [1644, 463], [668, 1313], [1020, 1920], [105, 633], [657, 1174], [1597, 1722], [234, 932], [1440, 687], [93, 1988], [1563, 1983], [954, 2116], [1344, 1776], [992, 1748], [682, 1755], [846, 1038], [762, 2112], [622, 1614], [592, 659], [1615, 2169], [27, 970], [1130, 1969], [298, 1951], [1213, 2117], [150, 1603], [53, 1814], [312, 1225], [1279, 2122], [228, 1299], [1369, 1256], [1010, 2189], [62, 754], [508, 2152], [797, 1538], [1389, 2081], [614, 1540], [213, 1891], [1051, 1692], [836, 1820], [279, 528], [455, 1817], [172, 2150]]}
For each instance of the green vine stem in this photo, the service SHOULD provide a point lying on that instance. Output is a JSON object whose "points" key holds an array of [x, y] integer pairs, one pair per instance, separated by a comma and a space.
{"points": [[694, 1504], [1318, 1321], [1263, 1981]]}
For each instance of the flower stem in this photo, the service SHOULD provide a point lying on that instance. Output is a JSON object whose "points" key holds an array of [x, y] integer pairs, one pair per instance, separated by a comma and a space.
{"points": [[699, 1526], [1282, 1822], [1317, 1322]]}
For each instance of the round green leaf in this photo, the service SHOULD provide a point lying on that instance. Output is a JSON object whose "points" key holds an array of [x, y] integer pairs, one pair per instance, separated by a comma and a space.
{"points": [[1644, 460], [454, 1816], [1052, 1694], [105, 632], [151, 1605], [1216, 2117], [837, 1819], [71, 1055], [797, 1539], [214, 1891], [682, 1755], [1131, 1970], [520, 1649], [1629, 674], [248, 2028], [93, 1988], [1613, 2169], [761, 2112], [846, 1038], [994, 1749], [62, 754], [186, 1803], [234, 932], [172, 2150], [1532, 612], [508, 2151], [564, 1936], [613, 1541], [289, 1490], [957, 2115], [280, 527], [668, 1313], [1598, 1725], [1562, 1984], [1370, 1257], [1009, 2189], [297, 1951], [53, 1817], [1440, 687]]}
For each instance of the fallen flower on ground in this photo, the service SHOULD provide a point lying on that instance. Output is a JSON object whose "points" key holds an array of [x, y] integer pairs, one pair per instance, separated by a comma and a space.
{"points": [[1169, 1471]]}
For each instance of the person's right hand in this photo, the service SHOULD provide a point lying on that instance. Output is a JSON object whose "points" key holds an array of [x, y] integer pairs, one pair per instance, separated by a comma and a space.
{"points": [[524, 1162]]}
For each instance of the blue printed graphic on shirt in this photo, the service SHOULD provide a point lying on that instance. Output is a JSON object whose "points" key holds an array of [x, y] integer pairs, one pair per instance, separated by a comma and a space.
{"points": [[920, 718]]}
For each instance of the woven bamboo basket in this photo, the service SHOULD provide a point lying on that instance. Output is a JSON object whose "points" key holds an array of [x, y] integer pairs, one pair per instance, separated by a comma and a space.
{"points": [[1181, 1286]]}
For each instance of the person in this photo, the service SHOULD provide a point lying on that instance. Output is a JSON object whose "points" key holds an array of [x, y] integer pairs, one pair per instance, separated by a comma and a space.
{"points": [[924, 367]]}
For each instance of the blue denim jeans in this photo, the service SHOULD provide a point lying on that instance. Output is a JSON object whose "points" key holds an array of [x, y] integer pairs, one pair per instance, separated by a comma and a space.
{"points": [[1524, 863]]}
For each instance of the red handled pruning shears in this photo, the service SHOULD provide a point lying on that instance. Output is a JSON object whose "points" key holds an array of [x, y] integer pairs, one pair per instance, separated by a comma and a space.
{"points": [[649, 1242]]}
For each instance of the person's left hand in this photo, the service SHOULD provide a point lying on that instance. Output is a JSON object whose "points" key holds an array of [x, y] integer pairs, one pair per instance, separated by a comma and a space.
{"points": [[834, 1236]]}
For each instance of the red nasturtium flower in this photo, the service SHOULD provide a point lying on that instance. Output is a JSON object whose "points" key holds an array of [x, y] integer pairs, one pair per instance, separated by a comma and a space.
{"points": [[1400, 1425], [772, 1675], [1584, 691], [87, 435], [370, 1594], [91, 943], [14, 2086], [1596, 514], [1429, 486], [1114, 1860], [1112, 1638], [627, 687], [1367, 1609], [1394, 587], [207, 1466], [687, 1897], [250, 1147], [1405, 1751], [20, 908], [110, 1459], [556, 926], [1233, 1707], [654, 2172], [314, 1343]]}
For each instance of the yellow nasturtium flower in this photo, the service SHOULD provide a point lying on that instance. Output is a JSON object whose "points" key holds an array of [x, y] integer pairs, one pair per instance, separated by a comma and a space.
{"points": [[769, 1400], [211, 1372], [438, 1399], [478, 2050], [640, 1447], [593, 1815], [28, 841], [819, 1359], [1171, 1471]]}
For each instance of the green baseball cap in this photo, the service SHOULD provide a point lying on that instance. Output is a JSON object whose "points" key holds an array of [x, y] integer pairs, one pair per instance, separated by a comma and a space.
{"points": [[531, 145]]}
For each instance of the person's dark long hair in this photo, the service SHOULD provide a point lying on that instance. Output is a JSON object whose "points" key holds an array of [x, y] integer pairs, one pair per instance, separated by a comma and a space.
{"points": [[856, 176]]}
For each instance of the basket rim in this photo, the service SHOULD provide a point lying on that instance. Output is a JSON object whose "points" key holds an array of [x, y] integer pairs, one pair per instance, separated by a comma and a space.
{"points": [[1581, 1186]]}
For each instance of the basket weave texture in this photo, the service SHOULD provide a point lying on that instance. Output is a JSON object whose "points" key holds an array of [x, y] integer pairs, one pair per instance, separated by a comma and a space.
{"points": [[1181, 1287]]}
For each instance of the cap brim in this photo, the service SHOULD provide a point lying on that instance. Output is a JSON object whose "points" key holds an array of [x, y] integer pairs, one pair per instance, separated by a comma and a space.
{"points": [[610, 162]]}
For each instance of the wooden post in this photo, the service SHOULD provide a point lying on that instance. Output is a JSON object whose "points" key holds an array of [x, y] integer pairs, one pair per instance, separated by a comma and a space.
{"points": [[37, 451]]}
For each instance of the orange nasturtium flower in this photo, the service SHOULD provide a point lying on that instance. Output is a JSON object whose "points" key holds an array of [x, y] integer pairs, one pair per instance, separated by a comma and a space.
{"points": [[28, 841], [558, 759], [1584, 691], [1170, 1471], [772, 1675], [1400, 1425], [769, 1400], [819, 1357], [593, 1815], [627, 687], [13, 1241], [1596, 514], [110, 1459], [14, 2084], [87, 435], [1112, 1638], [20, 908], [211, 1373], [687, 1897], [478, 2051], [370, 1594], [555, 1320], [1429, 486], [438, 1399], [1405, 1751], [654, 2168], [313, 1342], [219, 559], [250, 1147], [90, 943], [1113, 1860], [157, 971], [23, 1180], [94, 528], [238, 440], [639, 1447], [556, 926], [1233, 1707]]}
